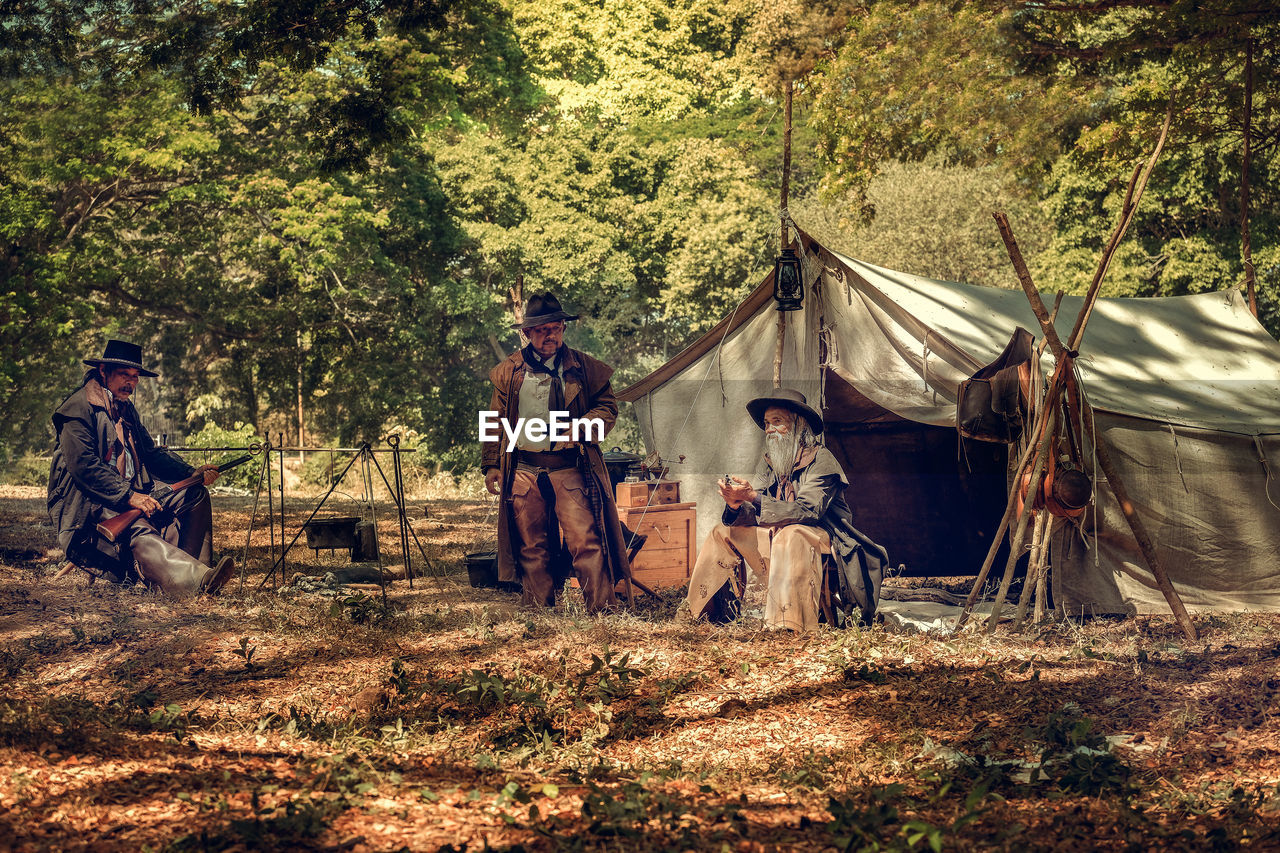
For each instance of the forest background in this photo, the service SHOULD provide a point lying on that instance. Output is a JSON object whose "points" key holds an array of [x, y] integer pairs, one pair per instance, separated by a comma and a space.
{"points": [[318, 210]]}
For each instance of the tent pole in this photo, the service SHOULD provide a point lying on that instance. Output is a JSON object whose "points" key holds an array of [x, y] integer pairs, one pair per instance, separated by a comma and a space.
{"points": [[1140, 534], [784, 214], [1060, 353], [1042, 576], [777, 355], [1246, 250], [1035, 566], [1127, 211], [1015, 544], [1029, 456]]}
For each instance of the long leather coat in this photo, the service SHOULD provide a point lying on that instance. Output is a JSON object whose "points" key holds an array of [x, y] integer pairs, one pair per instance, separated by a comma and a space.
{"points": [[81, 480], [820, 483], [587, 394]]}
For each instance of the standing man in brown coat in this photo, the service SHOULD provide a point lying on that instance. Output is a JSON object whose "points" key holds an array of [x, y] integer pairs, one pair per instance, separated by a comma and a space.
{"points": [[551, 489]]}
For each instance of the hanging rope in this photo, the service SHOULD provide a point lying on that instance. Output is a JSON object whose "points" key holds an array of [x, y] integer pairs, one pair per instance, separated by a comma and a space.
{"points": [[1262, 457], [715, 359], [1177, 459]]}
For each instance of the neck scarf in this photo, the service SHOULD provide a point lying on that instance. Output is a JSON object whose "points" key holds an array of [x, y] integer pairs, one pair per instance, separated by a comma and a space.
{"points": [[98, 395], [534, 363]]}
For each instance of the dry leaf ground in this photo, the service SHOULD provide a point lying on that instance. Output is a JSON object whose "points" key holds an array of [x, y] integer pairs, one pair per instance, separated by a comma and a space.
{"points": [[453, 719]]}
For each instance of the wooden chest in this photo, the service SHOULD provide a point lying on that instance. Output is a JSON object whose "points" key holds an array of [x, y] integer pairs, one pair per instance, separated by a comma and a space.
{"points": [[638, 494], [668, 556]]}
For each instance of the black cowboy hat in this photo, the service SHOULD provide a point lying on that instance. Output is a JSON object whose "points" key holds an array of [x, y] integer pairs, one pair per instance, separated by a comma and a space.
{"points": [[786, 398], [121, 354], [542, 308]]}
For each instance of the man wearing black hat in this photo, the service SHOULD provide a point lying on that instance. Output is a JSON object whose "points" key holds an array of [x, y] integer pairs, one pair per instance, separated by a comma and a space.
{"points": [[783, 529], [552, 489], [105, 463]]}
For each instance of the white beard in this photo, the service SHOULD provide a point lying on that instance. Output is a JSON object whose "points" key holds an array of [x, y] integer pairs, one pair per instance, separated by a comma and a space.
{"points": [[780, 451]]}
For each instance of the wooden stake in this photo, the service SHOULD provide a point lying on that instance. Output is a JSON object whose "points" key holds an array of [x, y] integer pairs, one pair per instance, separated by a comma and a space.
{"points": [[1104, 458], [1127, 210], [1015, 545], [1029, 456], [1140, 534], [1042, 577], [1035, 567], [783, 214]]}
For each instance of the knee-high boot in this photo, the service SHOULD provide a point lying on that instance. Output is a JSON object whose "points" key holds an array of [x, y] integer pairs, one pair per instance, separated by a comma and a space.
{"points": [[168, 566]]}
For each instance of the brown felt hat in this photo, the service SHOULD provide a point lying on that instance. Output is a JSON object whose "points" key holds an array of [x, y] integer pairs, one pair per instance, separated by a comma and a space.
{"points": [[542, 308], [786, 398]]}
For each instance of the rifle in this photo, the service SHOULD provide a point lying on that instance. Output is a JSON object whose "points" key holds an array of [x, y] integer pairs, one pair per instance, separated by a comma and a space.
{"points": [[114, 527]]}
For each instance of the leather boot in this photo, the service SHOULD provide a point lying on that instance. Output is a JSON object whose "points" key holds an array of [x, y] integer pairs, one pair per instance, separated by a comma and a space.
{"points": [[167, 566], [218, 577]]}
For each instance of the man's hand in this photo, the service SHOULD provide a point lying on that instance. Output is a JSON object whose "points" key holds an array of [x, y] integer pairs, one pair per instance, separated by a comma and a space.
{"points": [[210, 472], [146, 503], [491, 478], [736, 491]]}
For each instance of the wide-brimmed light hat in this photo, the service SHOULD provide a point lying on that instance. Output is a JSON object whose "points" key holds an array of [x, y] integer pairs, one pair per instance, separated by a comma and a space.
{"points": [[786, 398]]}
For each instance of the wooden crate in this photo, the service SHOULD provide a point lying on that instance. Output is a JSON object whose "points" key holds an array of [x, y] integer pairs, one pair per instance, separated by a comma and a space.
{"points": [[637, 494], [668, 556]]}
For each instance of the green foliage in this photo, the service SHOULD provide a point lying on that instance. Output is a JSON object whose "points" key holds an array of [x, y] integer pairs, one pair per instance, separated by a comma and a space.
{"points": [[911, 79], [856, 825], [1075, 757], [1065, 98], [26, 471], [608, 678], [359, 608], [337, 213], [649, 59], [246, 652], [243, 476], [934, 220]]}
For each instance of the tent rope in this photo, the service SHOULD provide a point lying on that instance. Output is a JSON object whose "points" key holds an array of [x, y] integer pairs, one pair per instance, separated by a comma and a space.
{"points": [[1087, 405], [1266, 466], [1177, 458], [715, 359]]}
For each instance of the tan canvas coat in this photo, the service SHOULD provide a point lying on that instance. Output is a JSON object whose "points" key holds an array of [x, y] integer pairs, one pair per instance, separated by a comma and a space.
{"points": [[587, 394]]}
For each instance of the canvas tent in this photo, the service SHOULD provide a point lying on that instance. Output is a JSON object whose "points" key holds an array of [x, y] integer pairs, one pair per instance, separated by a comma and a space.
{"points": [[1187, 391]]}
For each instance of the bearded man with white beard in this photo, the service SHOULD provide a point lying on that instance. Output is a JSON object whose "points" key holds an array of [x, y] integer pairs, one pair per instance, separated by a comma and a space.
{"points": [[783, 529]]}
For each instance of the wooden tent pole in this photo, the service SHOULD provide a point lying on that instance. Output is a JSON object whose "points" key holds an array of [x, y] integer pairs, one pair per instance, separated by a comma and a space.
{"points": [[1246, 250], [1015, 544], [1028, 286], [783, 214], [1046, 324], [1042, 576], [1029, 455], [1104, 457], [1140, 534], [1130, 206], [1034, 567]]}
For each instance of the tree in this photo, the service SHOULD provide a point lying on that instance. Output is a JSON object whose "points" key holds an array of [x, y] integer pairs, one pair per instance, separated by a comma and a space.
{"points": [[1068, 95], [249, 243]]}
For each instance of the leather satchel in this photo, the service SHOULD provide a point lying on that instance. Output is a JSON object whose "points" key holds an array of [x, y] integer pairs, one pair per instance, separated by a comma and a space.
{"points": [[991, 404]]}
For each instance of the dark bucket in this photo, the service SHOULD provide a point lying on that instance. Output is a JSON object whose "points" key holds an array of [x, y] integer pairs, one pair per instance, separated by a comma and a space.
{"points": [[482, 572]]}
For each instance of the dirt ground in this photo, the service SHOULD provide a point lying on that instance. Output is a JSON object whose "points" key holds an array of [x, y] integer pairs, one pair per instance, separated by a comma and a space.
{"points": [[452, 719]]}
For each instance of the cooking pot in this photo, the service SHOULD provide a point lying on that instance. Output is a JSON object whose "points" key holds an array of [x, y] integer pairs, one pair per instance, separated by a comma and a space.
{"points": [[620, 463]]}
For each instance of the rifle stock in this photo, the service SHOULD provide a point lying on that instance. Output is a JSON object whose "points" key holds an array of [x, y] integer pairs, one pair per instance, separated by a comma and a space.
{"points": [[114, 527]]}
